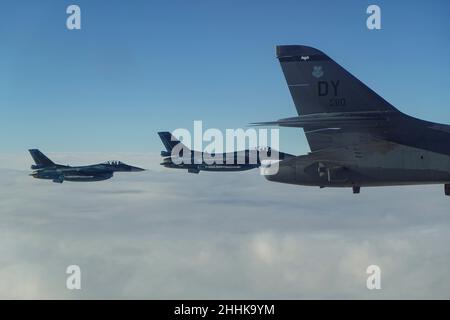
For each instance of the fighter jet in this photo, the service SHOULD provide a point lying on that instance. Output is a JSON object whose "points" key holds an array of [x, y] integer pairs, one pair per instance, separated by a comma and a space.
{"points": [[47, 169], [185, 158], [357, 139]]}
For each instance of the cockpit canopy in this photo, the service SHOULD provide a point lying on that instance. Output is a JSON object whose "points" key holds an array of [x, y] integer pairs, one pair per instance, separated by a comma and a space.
{"points": [[262, 149], [113, 162]]}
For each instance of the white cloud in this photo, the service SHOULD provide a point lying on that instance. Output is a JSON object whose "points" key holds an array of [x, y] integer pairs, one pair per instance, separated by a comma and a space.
{"points": [[169, 234]]}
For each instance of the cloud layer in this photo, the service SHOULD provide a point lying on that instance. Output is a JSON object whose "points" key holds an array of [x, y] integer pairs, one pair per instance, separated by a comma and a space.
{"points": [[169, 234]]}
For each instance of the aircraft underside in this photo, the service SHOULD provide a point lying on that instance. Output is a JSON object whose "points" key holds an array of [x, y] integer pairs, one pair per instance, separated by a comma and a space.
{"points": [[382, 164], [211, 167], [225, 167], [60, 178], [362, 177], [87, 178]]}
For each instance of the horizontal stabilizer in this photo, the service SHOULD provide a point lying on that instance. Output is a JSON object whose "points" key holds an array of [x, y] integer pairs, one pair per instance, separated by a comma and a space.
{"points": [[340, 119]]}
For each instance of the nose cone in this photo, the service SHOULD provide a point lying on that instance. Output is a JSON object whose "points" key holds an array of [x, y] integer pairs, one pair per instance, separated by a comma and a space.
{"points": [[280, 173], [136, 169]]}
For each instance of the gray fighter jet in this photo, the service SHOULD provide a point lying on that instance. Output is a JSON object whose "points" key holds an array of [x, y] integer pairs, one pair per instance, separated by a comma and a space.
{"points": [[357, 139], [47, 169], [185, 158]]}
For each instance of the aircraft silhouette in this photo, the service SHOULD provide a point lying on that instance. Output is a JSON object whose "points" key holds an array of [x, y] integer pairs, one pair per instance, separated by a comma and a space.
{"points": [[47, 169], [357, 138]]}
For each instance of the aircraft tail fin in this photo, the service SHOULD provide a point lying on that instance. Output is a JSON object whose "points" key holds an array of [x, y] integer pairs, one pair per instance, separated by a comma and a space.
{"points": [[169, 142], [320, 85], [40, 159]]}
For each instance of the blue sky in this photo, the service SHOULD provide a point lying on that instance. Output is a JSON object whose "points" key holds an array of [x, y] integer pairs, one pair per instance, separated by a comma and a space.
{"points": [[138, 67]]}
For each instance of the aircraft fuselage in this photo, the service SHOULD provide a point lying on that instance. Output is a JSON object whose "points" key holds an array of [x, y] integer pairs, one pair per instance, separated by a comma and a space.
{"points": [[44, 168], [380, 164], [222, 162]]}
